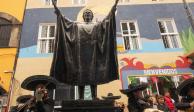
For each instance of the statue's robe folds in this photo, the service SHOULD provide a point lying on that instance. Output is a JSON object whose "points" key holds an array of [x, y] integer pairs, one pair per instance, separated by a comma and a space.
{"points": [[85, 54]]}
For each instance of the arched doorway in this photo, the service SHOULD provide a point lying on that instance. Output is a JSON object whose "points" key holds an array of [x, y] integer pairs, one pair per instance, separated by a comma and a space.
{"points": [[10, 29], [5, 32]]}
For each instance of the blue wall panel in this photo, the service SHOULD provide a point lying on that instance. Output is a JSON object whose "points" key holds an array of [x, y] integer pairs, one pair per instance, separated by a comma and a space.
{"points": [[146, 16], [32, 19], [31, 51]]}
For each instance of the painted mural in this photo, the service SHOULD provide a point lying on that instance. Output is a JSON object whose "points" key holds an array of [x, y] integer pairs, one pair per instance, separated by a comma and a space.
{"points": [[130, 68]]}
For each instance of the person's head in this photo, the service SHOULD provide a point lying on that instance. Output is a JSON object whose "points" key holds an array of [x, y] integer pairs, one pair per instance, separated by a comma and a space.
{"points": [[149, 99], [191, 92], [167, 93], [88, 15], [137, 93], [42, 89], [40, 86], [160, 99]]}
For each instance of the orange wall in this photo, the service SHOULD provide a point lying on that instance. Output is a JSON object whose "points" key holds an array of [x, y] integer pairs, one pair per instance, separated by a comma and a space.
{"points": [[7, 58], [13, 7]]}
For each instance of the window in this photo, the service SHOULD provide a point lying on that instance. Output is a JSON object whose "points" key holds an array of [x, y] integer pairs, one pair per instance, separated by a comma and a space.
{"points": [[124, 1], [169, 33], [79, 2], [130, 35], [46, 38], [5, 32], [48, 2]]}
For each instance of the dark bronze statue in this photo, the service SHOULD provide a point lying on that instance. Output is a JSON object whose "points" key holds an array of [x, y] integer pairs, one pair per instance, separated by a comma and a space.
{"points": [[85, 52]]}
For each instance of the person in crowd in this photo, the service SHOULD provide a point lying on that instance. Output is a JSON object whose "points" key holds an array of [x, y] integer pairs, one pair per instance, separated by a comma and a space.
{"points": [[186, 90], [40, 102], [169, 101], [111, 97], [151, 100], [135, 101], [21, 100], [161, 103]]}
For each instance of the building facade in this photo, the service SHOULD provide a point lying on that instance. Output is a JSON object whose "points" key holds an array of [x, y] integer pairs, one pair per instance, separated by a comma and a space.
{"points": [[148, 40], [11, 16]]}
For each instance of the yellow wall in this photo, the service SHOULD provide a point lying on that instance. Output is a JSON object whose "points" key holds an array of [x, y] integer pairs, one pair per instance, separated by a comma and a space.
{"points": [[7, 58], [13, 7]]}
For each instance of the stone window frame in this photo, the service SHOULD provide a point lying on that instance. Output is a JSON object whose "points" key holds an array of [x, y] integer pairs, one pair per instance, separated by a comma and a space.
{"points": [[15, 30]]}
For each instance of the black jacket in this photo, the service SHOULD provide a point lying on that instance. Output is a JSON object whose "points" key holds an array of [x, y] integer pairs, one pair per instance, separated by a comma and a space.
{"points": [[184, 104], [163, 107], [137, 104], [40, 106]]}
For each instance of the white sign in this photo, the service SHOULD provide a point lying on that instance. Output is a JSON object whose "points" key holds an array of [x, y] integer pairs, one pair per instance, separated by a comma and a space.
{"points": [[160, 71]]}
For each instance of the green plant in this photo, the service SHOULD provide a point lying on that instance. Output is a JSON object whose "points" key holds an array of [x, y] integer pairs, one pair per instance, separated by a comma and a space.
{"points": [[187, 40]]}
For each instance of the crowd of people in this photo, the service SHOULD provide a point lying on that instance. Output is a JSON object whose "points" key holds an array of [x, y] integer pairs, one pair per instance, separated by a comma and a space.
{"points": [[41, 102], [161, 103]]}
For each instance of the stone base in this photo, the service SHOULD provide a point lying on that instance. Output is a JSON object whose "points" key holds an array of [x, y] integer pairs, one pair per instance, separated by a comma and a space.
{"points": [[88, 106]]}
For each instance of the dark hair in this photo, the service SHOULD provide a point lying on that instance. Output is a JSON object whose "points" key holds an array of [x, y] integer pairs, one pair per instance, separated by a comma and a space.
{"points": [[190, 88], [159, 97], [87, 10], [147, 97]]}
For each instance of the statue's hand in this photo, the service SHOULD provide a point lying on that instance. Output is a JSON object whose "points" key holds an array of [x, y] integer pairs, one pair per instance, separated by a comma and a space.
{"points": [[57, 11], [54, 2], [116, 2]]}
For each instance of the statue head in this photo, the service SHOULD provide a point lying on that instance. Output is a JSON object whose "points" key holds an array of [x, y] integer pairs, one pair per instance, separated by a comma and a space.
{"points": [[88, 15]]}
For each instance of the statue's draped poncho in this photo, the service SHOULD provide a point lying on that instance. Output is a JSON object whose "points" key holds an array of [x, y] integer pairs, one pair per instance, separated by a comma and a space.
{"points": [[85, 53]]}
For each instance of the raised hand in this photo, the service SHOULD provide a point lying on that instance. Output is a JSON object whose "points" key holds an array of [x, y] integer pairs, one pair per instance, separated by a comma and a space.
{"points": [[116, 2], [54, 2], [39, 94], [115, 5], [57, 11]]}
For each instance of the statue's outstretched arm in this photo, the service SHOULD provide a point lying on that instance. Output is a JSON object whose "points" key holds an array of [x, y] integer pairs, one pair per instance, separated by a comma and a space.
{"points": [[113, 9], [115, 5], [57, 11], [116, 2]]}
